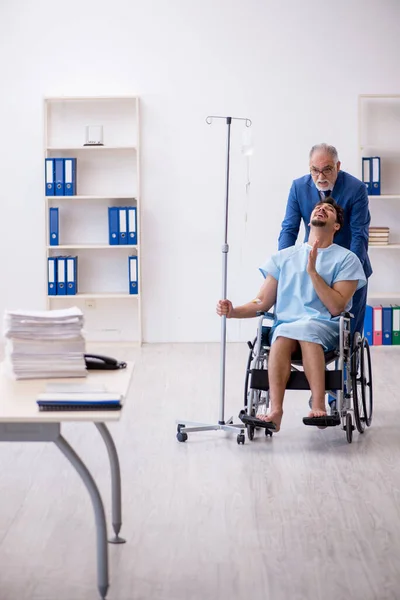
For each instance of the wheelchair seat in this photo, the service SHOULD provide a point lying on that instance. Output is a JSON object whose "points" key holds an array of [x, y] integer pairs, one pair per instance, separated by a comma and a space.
{"points": [[330, 355]]}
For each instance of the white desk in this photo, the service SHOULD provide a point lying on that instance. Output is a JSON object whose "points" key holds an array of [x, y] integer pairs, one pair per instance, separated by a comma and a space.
{"points": [[21, 421]]}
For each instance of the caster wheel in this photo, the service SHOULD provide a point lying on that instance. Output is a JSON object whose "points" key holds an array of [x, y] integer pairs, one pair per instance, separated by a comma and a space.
{"points": [[240, 438], [250, 432], [268, 433], [181, 436], [349, 428]]}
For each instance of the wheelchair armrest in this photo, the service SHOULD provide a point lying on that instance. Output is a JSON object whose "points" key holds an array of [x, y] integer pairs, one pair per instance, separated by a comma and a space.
{"points": [[347, 315], [263, 313]]}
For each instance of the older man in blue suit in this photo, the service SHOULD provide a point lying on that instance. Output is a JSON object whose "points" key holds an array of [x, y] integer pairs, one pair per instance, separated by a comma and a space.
{"points": [[326, 179]]}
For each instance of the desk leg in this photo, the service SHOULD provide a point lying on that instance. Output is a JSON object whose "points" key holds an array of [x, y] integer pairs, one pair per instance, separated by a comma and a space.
{"points": [[101, 526], [115, 483]]}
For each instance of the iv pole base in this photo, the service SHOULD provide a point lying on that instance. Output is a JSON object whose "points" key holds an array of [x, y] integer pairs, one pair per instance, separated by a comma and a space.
{"points": [[185, 427]]}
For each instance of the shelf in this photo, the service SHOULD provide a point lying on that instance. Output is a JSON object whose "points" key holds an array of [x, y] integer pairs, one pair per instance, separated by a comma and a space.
{"points": [[379, 96], [385, 197], [384, 296], [94, 295], [131, 197], [87, 148], [88, 98], [384, 346], [92, 247], [385, 247]]}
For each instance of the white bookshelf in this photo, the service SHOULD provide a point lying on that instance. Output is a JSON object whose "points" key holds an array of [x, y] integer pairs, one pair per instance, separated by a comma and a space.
{"points": [[379, 135], [107, 175]]}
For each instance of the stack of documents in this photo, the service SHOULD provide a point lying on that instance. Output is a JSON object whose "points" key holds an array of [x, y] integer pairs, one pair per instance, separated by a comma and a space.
{"points": [[378, 236], [45, 344]]}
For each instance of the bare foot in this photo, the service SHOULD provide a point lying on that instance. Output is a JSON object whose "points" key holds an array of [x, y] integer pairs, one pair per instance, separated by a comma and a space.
{"points": [[274, 417], [318, 412]]}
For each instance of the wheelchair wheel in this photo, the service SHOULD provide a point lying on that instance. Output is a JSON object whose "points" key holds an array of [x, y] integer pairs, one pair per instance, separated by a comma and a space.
{"points": [[366, 375], [357, 383], [349, 428]]}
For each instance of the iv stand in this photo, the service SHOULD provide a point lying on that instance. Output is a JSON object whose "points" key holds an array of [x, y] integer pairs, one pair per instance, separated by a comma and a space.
{"points": [[222, 425]]}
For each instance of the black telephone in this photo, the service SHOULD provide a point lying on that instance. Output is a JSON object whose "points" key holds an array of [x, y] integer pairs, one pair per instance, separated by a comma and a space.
{"points": [[99, 362]]}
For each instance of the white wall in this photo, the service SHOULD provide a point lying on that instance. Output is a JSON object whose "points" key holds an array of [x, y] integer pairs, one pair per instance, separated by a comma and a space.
{"points": [[294, 68]]}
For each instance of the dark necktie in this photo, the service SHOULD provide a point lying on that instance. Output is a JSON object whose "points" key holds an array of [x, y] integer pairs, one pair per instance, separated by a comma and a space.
{"points": [[327, 193]]}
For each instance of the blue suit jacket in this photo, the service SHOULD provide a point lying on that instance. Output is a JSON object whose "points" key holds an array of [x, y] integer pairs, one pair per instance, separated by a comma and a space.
{"points": [[351, 194]]}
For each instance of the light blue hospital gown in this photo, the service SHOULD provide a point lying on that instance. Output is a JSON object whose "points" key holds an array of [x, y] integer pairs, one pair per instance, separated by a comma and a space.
{"points": [[300, 314]]}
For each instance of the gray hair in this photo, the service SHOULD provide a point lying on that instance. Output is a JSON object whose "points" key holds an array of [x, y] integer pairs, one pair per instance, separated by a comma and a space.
{"points": [[325, 148]]}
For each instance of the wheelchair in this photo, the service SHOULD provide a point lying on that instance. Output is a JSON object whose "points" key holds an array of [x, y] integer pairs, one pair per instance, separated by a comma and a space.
{"points": [[349, 383]]}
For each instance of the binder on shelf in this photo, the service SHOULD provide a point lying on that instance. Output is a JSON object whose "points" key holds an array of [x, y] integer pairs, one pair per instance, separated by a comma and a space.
{"points": [[49, 176], [69, 176], [366, 173], [72, 275], [59, 176], [376, 176], [53, 227], [132, 225], [61, 276], [133, 274], [396, 325], [123, 234], [387, 325], [368, 324], [113, 225], [377, 320], [52, 276]]}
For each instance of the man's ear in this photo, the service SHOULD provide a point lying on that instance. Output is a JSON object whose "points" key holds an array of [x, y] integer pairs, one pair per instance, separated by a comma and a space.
{"points": [[337, 226]]}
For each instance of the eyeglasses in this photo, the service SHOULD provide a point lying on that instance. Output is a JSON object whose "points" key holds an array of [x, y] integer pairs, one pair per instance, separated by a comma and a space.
{"points": [[325, 171]]}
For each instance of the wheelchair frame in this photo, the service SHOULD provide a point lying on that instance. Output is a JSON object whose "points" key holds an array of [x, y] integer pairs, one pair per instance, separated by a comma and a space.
{"points": [[353, 391]]}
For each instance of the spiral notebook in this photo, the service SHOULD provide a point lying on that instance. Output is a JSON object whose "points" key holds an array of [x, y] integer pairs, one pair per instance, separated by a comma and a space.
{"points": [[79, 401]]}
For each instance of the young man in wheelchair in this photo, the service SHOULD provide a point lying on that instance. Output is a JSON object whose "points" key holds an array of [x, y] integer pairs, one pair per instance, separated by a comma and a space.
{"points": [[310, 285]]}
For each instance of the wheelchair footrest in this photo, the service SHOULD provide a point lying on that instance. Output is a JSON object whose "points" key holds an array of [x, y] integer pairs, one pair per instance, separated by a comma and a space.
{"points": [[249, 420], [326, 421]]}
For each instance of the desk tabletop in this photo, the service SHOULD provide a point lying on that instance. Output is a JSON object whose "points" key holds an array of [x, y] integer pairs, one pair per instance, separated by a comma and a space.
{"points": [[18, 398]]}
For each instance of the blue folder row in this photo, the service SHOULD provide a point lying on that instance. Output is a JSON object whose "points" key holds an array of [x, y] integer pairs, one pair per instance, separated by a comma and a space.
{"points": [[62, 275], [371, 174], [122, 225], [60, 176]]}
